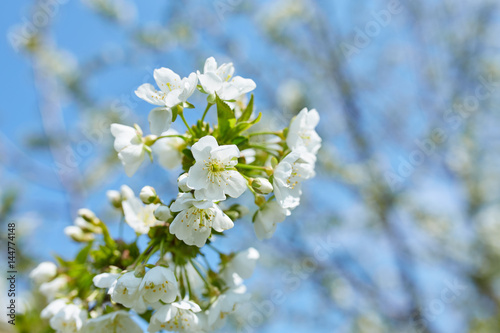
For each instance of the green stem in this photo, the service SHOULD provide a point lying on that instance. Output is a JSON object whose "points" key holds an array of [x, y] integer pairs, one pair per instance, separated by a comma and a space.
{"points": [[181, 114], [187, 281], [200, 274], [209, 105], [107, 237], [264, 133], [252, 167], [172, 136]]}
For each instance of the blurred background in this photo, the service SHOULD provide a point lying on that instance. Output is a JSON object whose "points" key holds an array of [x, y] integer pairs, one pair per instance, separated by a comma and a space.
{"points": [[399, 231]]}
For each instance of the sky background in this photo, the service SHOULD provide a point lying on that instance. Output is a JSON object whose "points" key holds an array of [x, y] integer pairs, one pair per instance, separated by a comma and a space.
{"points": [[389, 70]]}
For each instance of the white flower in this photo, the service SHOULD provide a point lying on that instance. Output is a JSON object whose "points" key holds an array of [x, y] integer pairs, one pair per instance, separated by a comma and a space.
{"points": [[169, 150], [182, 183], [114, 198], [302, 132], [267, 218], [159, 283], [125, 290], [70, 319], [196, 219], [130, 147], [126, 192], [105, 280], [139, 216], [173, 89], [242, 264], [213, 175], [249, 155], [44, 272], [220, 81], [224, 305], [50, 289], [179, 317], [288, 175], [118, 321], [54, 307]]}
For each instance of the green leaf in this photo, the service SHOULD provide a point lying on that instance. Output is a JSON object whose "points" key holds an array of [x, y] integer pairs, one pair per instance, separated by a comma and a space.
{"points": [[243, 126], [225, 117], [82, 256], [240, 141], [248, 111]]}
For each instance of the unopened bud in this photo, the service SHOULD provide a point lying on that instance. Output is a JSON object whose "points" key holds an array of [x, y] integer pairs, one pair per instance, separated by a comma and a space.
{"points": [[86, 226], [140, 271], [162, 213], [274, 162], [115, 198], [182, 183], [262, 186], [87, 214], [148, 195], [149, 140], [260, 200], [77, 234]]}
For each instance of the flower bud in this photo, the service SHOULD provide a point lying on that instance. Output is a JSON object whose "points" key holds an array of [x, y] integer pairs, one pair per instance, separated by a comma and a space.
{"points": [[115, 198], [77, 234], [150, 139], [86, 226], [260, 200], [44, 272], [182, 183], [148, 195], [262, 186], [162, 213], [87, 214], [274, 162], [140, 271]]}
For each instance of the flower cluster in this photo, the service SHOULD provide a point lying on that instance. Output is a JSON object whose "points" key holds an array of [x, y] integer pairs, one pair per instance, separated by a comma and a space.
{"points": [[171, 283]]}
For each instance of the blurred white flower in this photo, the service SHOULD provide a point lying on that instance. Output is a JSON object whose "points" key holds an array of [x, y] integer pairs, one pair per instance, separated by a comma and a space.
{"points": [[242, 264], [118, 321], [169, 150], [179, 317], [44, 272], [69, 319], [139, 216], [288, 176], [50, 289], [267, 218]]}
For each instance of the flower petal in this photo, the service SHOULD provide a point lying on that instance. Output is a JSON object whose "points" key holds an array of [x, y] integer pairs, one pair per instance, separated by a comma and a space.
{"points": [[160, 120], [148, 93]]}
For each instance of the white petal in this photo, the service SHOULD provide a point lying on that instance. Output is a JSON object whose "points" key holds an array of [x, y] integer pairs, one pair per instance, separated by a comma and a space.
{"points": [[210, 65], [132, 158], [166, 79], [236, 184], [210, 82], [201, 149], [148, 93], [160, 120], [124, 135], [104, 280]]}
